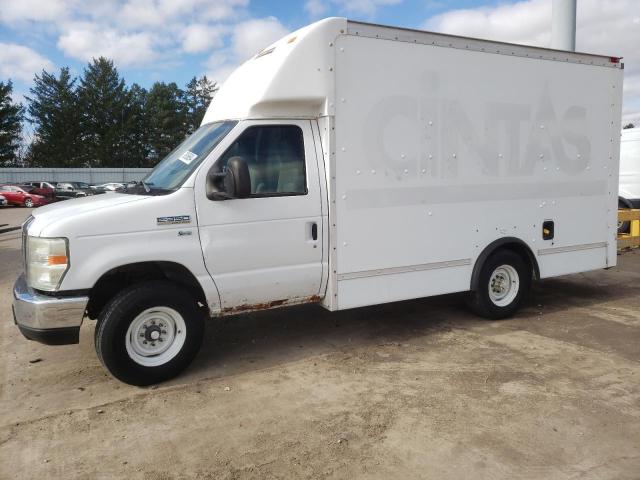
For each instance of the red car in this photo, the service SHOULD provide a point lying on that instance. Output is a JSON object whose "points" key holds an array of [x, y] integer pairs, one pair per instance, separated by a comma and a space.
{"points": [[45, 189], [22, 196]]}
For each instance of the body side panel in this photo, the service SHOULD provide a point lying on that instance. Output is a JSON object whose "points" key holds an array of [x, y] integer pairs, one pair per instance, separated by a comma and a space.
{"points": [[461, 149]]}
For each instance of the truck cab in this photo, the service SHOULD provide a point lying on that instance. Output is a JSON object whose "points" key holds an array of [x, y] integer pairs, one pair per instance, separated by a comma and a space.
{"points": [[231, 221]]}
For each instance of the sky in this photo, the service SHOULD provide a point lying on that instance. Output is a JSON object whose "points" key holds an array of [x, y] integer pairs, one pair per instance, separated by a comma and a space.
{"points": [[174, 40]]}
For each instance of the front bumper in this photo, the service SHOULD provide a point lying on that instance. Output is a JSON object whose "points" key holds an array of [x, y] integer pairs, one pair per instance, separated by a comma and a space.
{"points": [[46, 319]]}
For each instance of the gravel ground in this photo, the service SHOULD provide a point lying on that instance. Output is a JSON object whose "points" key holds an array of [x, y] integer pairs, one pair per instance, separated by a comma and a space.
{"points": [[419, 389]]}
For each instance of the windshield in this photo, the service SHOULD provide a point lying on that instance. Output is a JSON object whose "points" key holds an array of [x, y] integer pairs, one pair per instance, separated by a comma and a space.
{"points": [[171, 172]]}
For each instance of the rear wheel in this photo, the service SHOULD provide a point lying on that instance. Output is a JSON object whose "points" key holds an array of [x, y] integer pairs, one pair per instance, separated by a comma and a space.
{"points": [[505, 279], [149, 333], [28, 202]]}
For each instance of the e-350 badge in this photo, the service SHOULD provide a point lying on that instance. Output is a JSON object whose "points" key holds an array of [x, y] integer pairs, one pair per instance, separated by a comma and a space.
{"points": [[174, 220]]}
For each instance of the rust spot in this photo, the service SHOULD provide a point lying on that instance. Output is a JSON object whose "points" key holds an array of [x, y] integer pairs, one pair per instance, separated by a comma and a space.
{"points": [[245, 307]]}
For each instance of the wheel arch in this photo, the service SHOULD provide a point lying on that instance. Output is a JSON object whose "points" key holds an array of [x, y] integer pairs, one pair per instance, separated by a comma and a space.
{"points": [[123, 276], [625, 202], [508, 243]]}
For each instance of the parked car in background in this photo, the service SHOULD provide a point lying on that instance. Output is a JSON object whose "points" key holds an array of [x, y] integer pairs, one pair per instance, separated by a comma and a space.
{"points": [[46, 189], [3, 201], [629, 192], [66, 190], [108, 187], [22, 196]]}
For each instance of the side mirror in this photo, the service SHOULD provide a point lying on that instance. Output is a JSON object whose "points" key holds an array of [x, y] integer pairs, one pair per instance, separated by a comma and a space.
{"points": [[233, 182]]}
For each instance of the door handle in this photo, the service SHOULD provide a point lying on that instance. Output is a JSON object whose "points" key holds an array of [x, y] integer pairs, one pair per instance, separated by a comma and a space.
{"points": [[314, 231]]}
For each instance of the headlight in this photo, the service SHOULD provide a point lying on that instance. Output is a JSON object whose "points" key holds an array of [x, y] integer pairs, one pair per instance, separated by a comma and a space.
{"points": [[47, 262]]}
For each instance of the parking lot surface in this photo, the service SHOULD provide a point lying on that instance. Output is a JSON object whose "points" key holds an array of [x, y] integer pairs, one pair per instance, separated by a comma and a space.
{"points": [[419, 389]]}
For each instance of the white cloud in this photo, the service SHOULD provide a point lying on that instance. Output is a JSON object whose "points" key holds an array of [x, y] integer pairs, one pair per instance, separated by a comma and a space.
{"points": [[316, 8], [247, 39], [609, 28], [363, 7], [220, 66], [217, 10], [138, 33], [140, 13], [199, 37], [35, 10], [524, 22], [253, 35], [84, 42], [131, 32], [18, 62], [367, 8]]}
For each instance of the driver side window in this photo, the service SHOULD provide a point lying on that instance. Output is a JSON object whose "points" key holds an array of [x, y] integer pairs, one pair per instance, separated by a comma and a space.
{"points": [[275, 157]]}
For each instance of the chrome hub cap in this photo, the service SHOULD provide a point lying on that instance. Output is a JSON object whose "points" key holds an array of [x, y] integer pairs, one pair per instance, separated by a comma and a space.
{"points": [[504, 284], [155, 336]]}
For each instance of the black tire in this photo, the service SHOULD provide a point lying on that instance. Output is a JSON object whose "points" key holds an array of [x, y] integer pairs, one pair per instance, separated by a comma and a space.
{"points": [[116, 317], [481, 302], [28, 202], [623, 227]]}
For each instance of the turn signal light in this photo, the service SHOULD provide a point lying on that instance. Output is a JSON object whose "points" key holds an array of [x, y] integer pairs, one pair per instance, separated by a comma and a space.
{"points": [[57, 260]]}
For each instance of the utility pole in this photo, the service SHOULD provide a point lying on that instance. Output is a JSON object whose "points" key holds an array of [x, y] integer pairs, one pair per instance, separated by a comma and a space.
{"points": [[563, 25]]}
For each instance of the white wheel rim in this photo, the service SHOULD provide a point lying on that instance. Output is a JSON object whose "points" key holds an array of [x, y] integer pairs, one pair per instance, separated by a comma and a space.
{"points": [[504, 284], [155, 336]]}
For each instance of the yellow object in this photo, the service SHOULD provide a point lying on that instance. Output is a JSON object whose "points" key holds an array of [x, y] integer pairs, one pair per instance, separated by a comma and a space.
{"points": [[635, 228], [631, 239]]}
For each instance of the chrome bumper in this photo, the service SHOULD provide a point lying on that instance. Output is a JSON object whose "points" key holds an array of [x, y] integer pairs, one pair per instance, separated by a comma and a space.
{"points": [[50, 320]]}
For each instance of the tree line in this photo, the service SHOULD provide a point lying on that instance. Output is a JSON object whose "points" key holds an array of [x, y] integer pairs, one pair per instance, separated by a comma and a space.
{"points": [[96, 120]]}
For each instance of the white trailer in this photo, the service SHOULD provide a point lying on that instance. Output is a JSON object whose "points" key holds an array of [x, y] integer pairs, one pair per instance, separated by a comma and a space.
{"points": [[629, 190], [347, 164], [629, 194]]}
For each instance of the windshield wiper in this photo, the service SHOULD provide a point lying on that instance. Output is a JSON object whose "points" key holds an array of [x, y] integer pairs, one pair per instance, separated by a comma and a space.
{"points": [[139, 183], [148, 187]]}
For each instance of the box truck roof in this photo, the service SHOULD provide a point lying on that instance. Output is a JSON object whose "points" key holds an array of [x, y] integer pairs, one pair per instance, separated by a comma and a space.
{"points": [[294, 76]]}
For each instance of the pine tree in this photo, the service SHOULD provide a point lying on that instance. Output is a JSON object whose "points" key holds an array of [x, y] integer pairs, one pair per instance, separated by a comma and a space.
{"points": [[166, 112], [53, 110], [103, 101], [102, 123], [198, 96], [136, 128], [10, 126]]}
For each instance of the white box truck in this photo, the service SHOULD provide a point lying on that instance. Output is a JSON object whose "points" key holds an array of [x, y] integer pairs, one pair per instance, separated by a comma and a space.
{"points": [[630, 168], [629, 193], [347, 164]]}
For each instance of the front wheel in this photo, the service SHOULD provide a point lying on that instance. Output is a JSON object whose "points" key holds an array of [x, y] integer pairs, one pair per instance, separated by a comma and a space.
{"points": [[149, 333], [505, 279], [28, 202]]}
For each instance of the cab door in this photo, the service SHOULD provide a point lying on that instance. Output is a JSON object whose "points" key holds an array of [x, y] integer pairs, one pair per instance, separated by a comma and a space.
{"points": [[266, 249]]}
